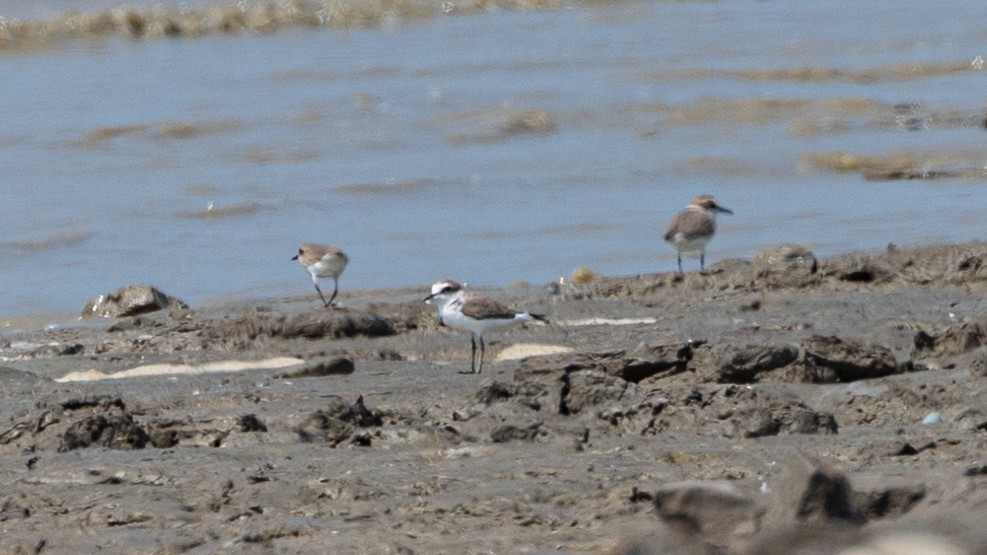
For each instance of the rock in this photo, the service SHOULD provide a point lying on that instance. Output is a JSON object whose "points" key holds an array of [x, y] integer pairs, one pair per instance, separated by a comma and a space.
{"points": [[789, 255], [859, 268], [716, 511], [250, 423], [114, 431], [789, 265], [760, 415], [955, 340], [130, 300], [830, 359], [493, 392], [510, 432], [971, 418], [651, 361], [586, 389], [14, 380], [339, 422], [321, 368], [878, 496], [245, 331], [744, 364], [635, 365], [932, 418], [756, 422], [810, 492], [978, 363], [314, 325]]}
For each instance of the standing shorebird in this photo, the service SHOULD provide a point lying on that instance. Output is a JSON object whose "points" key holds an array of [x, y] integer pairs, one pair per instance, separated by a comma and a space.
{"points": [[322, 261], [694, 227], [476, 314]]}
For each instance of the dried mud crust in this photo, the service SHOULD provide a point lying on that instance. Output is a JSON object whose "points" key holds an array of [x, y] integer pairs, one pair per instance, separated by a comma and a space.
{"points": [[765, 407]]}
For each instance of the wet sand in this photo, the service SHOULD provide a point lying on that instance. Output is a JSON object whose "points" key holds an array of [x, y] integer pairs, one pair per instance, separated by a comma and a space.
{"points": [[676, 415]]}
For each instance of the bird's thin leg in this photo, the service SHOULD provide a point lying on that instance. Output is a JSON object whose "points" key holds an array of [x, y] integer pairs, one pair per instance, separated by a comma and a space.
{"points": [[473, 354], [335, 289], [702, 261], [679, 256], [483, 348], [320, 294]]}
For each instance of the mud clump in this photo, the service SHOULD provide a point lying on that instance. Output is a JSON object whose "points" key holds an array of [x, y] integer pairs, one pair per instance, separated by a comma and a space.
{"points": [[130, 300]]}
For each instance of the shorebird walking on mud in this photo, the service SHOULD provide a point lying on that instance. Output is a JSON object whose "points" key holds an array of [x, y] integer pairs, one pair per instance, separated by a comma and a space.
{"points": [[476, 314], [693, 228], [322, 261]]}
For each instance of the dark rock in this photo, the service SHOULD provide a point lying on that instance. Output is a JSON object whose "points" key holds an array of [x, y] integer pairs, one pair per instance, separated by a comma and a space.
{"points": [[510, 432], [130, 301], [321, 427], [250, 423], [884, 500], [972, 418], [317, 325], [859, 268], [357, 413], [632, 366], [759, 414], [114, 431], [806, 421], [808, 491], [339, 422], [647, 361], [756, 422], [494, 392], [243, 332], [104, 402], [894, 448], [717, 512], [163, 434], [589, 388], [57, 350], [955, 340], [832, 359], [786, 420], [744, 364], [321, 368], [208, 432]]}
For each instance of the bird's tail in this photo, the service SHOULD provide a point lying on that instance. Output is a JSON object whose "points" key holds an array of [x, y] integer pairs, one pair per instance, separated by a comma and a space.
{"points": [[539, 317]]}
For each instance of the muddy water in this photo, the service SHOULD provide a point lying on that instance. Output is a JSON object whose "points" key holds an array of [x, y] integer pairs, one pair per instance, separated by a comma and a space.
{"points": [[516, 141]]}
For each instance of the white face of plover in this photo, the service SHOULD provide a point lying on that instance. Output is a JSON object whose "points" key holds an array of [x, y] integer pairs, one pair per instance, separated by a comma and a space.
{"points": [[443, 290]]}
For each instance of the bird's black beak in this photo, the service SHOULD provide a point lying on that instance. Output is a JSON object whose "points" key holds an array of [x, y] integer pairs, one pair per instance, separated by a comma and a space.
{"points": [[724, 210], [428, 298], [294, 257]]}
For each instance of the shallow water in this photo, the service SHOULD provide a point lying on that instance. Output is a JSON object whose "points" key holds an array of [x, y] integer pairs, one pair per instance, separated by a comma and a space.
{"points": [[488, 146]]}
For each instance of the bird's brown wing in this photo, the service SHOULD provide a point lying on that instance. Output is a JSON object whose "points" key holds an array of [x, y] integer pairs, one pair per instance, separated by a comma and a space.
{"points": [[691, 224], [484, 307]]}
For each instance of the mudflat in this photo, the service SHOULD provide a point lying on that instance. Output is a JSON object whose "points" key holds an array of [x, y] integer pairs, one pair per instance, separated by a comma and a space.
{"points": [[779, 405]]}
